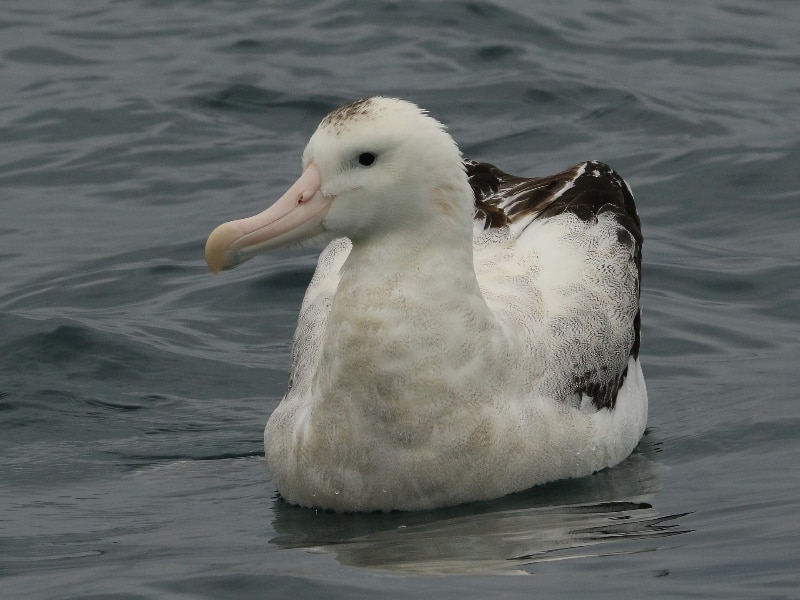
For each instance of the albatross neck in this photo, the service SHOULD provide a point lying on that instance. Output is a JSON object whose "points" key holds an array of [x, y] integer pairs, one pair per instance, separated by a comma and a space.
{"points": [[437, 253]]}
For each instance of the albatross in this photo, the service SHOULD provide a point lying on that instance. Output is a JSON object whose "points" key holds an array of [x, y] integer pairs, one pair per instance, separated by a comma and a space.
{"points": [[466, 334]]}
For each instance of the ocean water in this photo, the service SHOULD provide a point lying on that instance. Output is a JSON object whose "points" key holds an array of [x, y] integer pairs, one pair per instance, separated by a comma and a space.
{"points": [[134, 386]]}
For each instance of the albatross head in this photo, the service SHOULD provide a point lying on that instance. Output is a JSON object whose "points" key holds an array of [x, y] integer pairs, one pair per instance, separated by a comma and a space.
{"points": [[373, 167]]}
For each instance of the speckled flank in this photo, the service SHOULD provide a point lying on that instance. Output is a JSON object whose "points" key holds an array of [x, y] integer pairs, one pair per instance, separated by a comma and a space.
{"points": [[351, 112], [586, 190]]}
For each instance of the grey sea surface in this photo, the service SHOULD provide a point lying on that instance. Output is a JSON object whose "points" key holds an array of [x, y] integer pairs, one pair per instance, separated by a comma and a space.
{"points": [[134, 386]]}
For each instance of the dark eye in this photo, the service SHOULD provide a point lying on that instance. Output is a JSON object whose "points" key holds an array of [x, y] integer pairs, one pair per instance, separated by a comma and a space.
{"points": [[365, 159]]}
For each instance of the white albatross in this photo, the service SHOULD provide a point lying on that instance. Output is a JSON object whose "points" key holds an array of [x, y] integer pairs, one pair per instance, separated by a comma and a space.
{"points": [[466, 334]]}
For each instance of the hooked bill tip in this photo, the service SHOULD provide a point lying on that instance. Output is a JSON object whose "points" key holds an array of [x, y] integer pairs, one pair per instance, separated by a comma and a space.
{"points": [[218, 253]]}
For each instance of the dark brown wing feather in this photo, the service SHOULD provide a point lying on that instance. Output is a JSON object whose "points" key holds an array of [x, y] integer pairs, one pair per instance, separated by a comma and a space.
{"points": [[585, 190]]}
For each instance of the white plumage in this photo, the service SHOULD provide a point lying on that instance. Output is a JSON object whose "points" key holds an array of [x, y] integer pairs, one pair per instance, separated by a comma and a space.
{"points": [[466, 334]]}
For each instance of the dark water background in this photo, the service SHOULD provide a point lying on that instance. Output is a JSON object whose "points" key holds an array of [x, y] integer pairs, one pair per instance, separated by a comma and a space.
{"points": [[134, 386]]}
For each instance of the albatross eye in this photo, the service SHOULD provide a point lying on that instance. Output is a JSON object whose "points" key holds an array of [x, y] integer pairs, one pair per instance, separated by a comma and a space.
{"points": [[365, 159]]}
